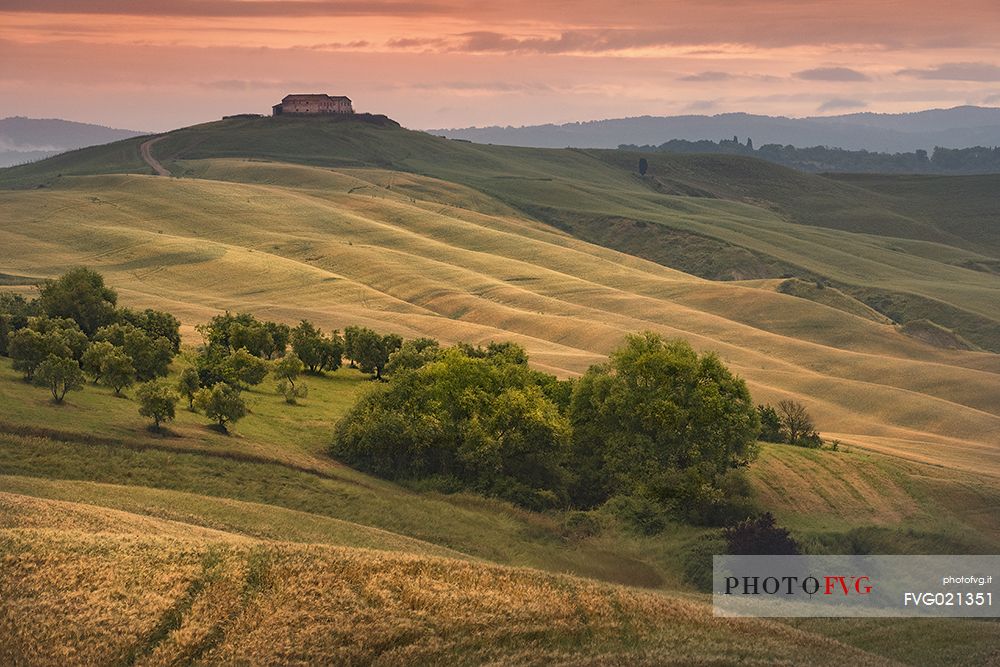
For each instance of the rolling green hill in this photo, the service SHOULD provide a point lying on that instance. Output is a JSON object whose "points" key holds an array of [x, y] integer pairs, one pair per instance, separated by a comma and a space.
{"points": [[919, 249], [454, 241], [366, 223]]}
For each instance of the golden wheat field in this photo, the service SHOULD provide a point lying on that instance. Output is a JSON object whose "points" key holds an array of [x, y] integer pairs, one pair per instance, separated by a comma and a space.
{"points": [[148, 591]]}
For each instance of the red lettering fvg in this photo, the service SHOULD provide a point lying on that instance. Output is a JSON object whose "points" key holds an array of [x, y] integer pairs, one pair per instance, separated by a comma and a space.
{"points": [[847, 586]]}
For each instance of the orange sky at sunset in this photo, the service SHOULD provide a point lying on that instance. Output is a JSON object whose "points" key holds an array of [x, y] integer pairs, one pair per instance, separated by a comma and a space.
{"points": [[157, 64]]}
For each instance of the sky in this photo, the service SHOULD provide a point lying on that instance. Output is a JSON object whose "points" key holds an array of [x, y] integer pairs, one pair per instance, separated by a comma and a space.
{"points": [[158, 64]]}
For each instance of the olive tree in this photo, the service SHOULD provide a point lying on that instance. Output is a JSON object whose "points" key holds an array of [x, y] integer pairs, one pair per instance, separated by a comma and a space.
{"points": [[413, 354], [28, 349], [156, 323], [151, 355], [231, 332], [315, 350], [117, 370], [350, 344], [95, 358], [188, 384], [60, 375], [372, 350], [244, 370], [30, 346], [287, 370], [221, 403], [795, 421], [481, 424], [157, 400], [15, 311], [770, 424]]}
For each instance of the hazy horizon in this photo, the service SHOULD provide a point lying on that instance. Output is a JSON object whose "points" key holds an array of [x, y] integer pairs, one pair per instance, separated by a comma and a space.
{"points": [[441, 63], [580, 121]]}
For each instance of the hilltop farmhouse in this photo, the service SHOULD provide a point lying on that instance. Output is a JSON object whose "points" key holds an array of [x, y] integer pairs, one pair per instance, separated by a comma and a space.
{"points": [[313, 104]]}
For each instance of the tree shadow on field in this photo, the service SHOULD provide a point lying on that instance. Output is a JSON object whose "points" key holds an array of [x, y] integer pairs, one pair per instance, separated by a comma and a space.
{"points": [[218, 428], [162, 432]]}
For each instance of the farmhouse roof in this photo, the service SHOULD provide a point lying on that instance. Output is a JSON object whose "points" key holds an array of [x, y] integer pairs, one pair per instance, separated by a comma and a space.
{"points": [[314, 96]]}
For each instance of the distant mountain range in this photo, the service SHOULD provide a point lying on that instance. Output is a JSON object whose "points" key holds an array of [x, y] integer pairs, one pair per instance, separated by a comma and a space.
{"points": [[960, 127], [28, 139]]}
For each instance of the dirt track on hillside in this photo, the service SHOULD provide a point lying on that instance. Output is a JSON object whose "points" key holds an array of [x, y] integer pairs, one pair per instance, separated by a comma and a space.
{"points": [[147, 155]]}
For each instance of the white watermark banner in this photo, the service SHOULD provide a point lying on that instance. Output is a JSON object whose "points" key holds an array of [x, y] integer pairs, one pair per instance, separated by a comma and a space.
{"points": [[927, 586]]}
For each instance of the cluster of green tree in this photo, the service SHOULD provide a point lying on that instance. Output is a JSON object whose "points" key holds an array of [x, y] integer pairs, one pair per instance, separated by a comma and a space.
{"points": [[789, 423], [978, 160], [75, 329], [240, 351], [236, 355], [483, 421], [657, 432]]}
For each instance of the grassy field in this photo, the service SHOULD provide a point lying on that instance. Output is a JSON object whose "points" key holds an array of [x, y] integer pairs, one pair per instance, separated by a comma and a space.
{"points": [[193, 537]]}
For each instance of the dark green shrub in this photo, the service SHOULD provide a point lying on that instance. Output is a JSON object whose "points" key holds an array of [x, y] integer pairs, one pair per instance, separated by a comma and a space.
{"points": [[760, 536]]}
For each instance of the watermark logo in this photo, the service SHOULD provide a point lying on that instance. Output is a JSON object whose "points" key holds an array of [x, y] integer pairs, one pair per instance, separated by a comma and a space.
{"points": [[854, 585]]}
